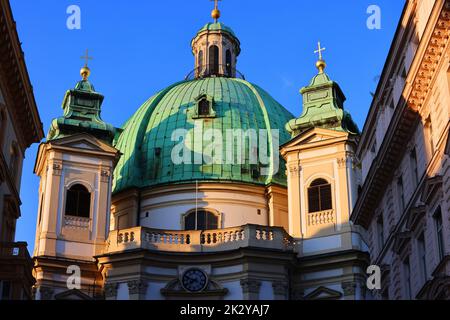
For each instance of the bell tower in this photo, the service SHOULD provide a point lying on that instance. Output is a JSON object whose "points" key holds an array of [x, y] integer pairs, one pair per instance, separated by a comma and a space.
{"points": [[322, 186], [75, 166], [215, 48]]}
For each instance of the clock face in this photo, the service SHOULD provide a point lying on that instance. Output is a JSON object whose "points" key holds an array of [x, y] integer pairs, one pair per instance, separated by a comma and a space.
{"points": [[194, 280]]}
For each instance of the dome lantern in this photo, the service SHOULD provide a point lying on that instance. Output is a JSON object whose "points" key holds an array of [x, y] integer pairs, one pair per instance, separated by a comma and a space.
{"points": [[216, 49]]}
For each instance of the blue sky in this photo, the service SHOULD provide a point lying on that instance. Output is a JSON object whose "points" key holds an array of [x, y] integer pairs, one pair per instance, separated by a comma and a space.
{"points": [[140, 47]]}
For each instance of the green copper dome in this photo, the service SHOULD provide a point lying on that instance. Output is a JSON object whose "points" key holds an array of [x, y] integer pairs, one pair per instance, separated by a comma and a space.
{"points": [[217, 26], [147, 145]]}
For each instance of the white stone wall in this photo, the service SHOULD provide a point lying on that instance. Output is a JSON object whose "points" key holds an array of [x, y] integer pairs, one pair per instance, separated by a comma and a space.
{"points": [[235, 209]]}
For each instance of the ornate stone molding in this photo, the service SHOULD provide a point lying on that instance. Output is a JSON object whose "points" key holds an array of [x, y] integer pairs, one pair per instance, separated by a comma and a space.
{"points": [[137, 286], [279, 288], [57, 168], [250, 285], [342, 163], [46, 293], [105, 175], [428, 66], [349, 288], [294, 170], [110, 290]]}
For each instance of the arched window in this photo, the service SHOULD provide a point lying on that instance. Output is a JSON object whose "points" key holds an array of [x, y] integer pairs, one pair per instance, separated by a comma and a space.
{"points": [[214, 60], [201, 220], [200, 62], [78, 202], [319, 196], [229, 64], [203, 107]]}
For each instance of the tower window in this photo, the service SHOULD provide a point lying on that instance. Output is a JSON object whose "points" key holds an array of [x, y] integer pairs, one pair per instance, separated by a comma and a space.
{"points": [[319, 196], [214, 60], [78, 202], [200, 62], [201, 220], [228, 63]]}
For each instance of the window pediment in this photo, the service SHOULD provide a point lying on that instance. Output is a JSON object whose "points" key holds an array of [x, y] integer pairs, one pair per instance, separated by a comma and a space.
{"points": [[432, 185], [401, 241], [323, 293], [415, 217], [204, 107]]}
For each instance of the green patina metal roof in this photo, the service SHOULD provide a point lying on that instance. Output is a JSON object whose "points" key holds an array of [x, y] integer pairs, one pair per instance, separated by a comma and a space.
{"points": [[146, 141], [323, 106], [82, 109], [217, 26]]}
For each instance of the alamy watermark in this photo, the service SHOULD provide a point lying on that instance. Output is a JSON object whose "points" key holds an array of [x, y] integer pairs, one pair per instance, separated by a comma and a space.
{"points": [[73, 22], [374, 278], [374, 19], [231, 146], [74, 280]]}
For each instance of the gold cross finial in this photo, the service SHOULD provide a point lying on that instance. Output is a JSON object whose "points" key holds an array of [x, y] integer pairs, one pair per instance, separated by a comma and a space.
{"points": [[215, 14], [85, 72], [319, 51], [86, 57], [216, 4], [320, 64]]}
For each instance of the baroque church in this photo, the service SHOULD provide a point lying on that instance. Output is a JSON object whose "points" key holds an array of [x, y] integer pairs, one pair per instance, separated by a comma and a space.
{"points": [[141, 226]]}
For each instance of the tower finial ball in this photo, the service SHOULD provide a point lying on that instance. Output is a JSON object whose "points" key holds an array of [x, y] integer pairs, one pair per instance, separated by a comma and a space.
{"points": [[215, 14]]}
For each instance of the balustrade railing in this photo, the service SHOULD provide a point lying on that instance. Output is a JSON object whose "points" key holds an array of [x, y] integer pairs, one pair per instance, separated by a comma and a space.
{"points": [[198, 241], [77, 222], [321, 218]]}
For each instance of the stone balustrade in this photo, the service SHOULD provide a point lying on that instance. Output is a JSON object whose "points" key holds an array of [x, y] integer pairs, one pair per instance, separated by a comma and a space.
{"points": [[321, 218], [76, 222], [199, 241]]}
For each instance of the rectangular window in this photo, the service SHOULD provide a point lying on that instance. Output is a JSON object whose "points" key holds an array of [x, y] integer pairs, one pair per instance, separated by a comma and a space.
{"points": [[401, 193], [429, 133], [407, 278], [422, 256], [380, 231], [439, 232], [414, 169]]}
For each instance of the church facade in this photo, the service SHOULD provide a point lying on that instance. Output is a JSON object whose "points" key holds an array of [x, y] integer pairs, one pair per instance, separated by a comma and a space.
{"points": [[211, 190]]}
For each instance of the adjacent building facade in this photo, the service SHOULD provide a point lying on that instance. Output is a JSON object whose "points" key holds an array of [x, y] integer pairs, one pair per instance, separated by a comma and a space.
{"points": [[404, 201], [20, 126]]}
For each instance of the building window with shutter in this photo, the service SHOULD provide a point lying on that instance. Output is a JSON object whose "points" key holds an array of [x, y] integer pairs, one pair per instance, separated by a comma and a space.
{"points": [[439, 232], [319, 196], [414, 169], [407, 278], [422, 256], [401, 193], [380, 232]]}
